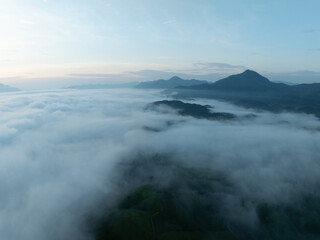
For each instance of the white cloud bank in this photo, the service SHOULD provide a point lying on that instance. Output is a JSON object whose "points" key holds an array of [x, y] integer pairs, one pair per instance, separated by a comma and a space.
{"points": [[58, 150]]}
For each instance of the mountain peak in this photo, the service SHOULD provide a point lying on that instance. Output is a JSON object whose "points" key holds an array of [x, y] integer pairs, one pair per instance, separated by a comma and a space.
{"points": [[175, 78], [249, 72], [247, 77], [246, 81]]}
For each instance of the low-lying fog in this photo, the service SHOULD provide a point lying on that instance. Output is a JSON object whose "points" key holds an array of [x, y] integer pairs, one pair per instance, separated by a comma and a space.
{"points": [[59, 149]]}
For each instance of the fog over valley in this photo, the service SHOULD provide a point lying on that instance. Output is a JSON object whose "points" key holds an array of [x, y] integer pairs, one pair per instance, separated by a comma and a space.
{"points": [[64, 156]]}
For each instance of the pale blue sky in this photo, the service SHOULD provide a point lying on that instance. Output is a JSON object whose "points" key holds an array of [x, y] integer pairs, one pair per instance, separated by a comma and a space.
{"points": [[60, 38]]}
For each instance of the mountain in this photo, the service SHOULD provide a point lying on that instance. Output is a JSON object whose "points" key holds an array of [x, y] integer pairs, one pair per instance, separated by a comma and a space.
{"points": [[251, 81], [247, 81], [307, 89], [170, 83], [6, 88], [250, 89]]}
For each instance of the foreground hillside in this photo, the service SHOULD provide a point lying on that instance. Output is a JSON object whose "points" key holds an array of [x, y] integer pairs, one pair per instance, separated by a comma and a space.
{"points": [[192, 204]]}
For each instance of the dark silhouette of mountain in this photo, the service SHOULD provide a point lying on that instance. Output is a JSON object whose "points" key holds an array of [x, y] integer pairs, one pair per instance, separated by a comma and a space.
{"points": [[6, 88], [193, 110], [307, 89], [250, 89], [246, 81], [171, 83]]}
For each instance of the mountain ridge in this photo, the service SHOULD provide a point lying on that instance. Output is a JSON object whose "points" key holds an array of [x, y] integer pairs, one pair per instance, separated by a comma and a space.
{"points": [[173, 82], [246, 81], [252, 90]]}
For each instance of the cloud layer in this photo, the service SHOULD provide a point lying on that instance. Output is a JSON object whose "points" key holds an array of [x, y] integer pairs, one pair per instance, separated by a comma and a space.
{"points": [[59, 150]]}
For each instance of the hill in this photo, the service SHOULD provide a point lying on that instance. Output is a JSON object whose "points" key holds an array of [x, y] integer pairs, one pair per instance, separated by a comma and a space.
{"points": [[193, 110]]}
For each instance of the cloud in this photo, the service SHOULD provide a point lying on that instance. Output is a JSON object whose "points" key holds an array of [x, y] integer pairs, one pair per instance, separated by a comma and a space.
{"points": [[310, 30], [95, 75], [169, 22], [46, 169], [218, 67], [59, 152], [26, 22]]}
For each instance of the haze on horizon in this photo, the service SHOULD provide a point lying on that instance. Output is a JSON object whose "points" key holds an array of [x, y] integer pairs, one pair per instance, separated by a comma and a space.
{"points": [[52, 43]]}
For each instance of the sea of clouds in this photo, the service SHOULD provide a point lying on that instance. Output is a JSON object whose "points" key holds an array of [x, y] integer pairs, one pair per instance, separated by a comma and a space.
{"points": [[59, 149]]}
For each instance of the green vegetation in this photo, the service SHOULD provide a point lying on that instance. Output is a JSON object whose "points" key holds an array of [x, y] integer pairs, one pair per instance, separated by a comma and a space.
{"points": [[191, 205], [298, 220], [150, 212], [181, 209]]}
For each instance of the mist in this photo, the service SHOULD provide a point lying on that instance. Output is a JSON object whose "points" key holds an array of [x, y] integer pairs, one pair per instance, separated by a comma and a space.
{"points": [[61, 149]]}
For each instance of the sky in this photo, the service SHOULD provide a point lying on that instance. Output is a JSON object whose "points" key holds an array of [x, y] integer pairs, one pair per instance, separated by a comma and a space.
{"points": [[112, 40]]}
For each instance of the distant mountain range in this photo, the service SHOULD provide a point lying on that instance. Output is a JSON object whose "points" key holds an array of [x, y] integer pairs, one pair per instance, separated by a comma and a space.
{"points": [[251, 81], [170, 83], [157, 84], [250, 89], [6, 88]]}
